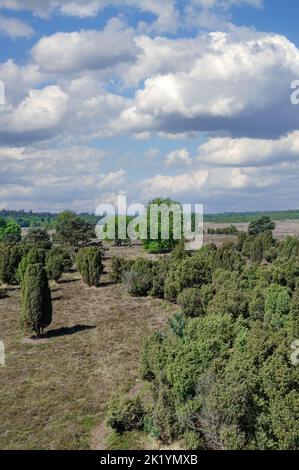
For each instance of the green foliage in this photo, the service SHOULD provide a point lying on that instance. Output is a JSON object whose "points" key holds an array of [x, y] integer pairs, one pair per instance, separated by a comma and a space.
{"points": [[72, 230], [277, 306], [289, 248], [10, 258], [139, 280], [193, 441], [164, 416], [177, 324], [190, 302], [271, 254], [160, 245], [125, 414], [190, 272], [10, 231], [64, 254], [89, 264], [227, 258], [229, 296], [256, 251], [36, 300], [152, 357], [257, 303], [262, 225], [119, 266], [231, 230], [224, 380], [294, 313], [54, 267], [33, 256], [38, 238], [160, 270]]}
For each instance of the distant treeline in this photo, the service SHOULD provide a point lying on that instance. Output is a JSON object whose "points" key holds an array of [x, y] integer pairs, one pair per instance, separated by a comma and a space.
{"points": [[47, 219], [40, 219]]}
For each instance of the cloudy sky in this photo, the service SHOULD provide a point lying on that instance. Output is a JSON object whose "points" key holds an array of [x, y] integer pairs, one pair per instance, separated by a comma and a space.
{"points": [[182, 98]]}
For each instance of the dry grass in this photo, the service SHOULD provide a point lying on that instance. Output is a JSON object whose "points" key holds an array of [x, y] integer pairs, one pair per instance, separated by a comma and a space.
{"points": [[284, 228], [54, 393]]}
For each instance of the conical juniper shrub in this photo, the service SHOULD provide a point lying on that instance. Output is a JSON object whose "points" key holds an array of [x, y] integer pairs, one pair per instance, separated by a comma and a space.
{"points": [[89, 263], [36, 300], [10, 258]]}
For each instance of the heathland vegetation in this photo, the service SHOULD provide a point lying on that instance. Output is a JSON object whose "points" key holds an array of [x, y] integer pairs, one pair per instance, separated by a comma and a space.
{"points": [[218, 373], [221, 372]]}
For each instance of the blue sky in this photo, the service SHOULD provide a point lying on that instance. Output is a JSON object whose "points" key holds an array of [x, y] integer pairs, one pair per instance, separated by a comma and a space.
{"points": [[185, 99]]}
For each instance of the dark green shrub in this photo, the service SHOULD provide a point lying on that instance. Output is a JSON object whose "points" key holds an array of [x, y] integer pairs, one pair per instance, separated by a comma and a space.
{"points": [[89, 264], [207, 293], [36, 299], [152, 360], [256, 251], [289, 248], [190, 272], [193, 441], [256, 305], [170, 289], [125, 414], [177, 324], [179, 252], [38, 238], [54, 267], [160, 271], [10, 258], [119, 266], [294, 313], [271, 254], [226, 258], [190, 302], [277, 306], [65, 255], [164, 415], [262, 225], [34, 256], [139, 280]]}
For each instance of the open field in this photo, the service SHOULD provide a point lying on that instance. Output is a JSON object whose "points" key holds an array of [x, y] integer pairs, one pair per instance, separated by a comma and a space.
{"points": [[54, 392], [283, 229]]}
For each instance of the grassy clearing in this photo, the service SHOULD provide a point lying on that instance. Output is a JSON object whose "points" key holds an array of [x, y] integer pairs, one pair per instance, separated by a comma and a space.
{"points": [[54, 393]]}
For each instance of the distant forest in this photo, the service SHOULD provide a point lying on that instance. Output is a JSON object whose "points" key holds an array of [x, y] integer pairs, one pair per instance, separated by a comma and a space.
{"points": [[47, 219]]}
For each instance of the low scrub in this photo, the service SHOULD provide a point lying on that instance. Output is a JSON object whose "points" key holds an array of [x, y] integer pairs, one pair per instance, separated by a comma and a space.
{"points": [[125, 414]]}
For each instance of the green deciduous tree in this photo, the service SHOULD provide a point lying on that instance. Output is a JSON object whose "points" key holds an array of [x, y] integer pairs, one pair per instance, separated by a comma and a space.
{"points": [[38, 238], [72, 230], [262, 225], [10, 232], [160, 245]]}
